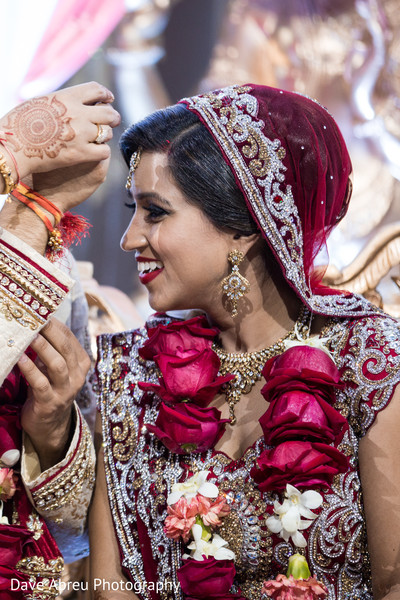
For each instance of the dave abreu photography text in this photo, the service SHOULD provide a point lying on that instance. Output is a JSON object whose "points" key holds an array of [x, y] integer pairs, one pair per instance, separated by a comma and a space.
{"points": [[97, 585]]}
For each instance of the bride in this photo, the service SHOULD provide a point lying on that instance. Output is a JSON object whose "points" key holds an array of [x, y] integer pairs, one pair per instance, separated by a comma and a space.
{"points": [[245, 432]]}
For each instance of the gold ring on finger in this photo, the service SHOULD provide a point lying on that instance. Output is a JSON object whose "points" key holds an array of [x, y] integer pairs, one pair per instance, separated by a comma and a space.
{"points": [[101, 136]]}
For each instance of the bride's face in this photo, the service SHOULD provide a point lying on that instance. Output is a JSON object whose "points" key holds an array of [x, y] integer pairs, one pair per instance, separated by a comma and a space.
{"points": [[180, 255]]}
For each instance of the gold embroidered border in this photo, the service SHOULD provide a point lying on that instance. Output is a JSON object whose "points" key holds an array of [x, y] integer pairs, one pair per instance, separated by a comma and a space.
{"points": [[45, 577], [63, 488], [12, 310], [41, 290], [35, 525]]}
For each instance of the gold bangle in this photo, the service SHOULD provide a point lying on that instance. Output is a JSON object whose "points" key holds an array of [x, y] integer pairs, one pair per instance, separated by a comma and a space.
{"points": [[6, 173]]}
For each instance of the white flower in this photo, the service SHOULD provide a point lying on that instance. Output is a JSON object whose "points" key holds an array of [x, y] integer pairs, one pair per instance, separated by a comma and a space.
{"points": [[3, 520], [215, 547], [197, 484], [287, 522]]}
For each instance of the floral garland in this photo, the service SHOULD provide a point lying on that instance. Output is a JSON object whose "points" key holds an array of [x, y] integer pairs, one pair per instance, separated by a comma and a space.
{"points": [[300, 427]]}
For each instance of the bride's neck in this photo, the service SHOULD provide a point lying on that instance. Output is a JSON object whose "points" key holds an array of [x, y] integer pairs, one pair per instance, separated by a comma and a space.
{"points": [[265, 314]]}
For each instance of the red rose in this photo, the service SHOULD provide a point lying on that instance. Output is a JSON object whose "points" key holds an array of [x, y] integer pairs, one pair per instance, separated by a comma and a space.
{"points": [[194, 334], [301, 415], [187, 375], [10, 434], [301, 368], [186, 428], [302, 359], [301, 464], [189, 367], [10, 386], [12, 540], [208, 578]]}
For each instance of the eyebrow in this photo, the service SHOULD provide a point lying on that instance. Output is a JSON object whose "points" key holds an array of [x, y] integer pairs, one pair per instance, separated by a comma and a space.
{"points": [[152, 196]]}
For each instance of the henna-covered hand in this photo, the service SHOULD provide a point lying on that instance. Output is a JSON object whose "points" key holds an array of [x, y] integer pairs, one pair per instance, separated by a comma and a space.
{"points": [[40, 126], [59, 129]]}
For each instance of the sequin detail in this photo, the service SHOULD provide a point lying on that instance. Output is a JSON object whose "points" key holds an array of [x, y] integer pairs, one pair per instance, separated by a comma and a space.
{"points": [[232, 116], [140, 471]]}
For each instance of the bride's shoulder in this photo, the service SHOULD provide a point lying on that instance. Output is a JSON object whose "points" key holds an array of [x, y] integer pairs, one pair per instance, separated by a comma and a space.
{"points": [[367, 353]]}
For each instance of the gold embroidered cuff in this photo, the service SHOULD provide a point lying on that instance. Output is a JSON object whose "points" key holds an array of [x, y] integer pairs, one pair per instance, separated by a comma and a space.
{"points": [[72, 484]]}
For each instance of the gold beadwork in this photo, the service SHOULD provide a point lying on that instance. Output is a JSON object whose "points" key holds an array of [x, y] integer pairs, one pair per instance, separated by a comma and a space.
{"points": [[234, 285], [134, 162], [6, 173], [247, 366], [55, 241]]}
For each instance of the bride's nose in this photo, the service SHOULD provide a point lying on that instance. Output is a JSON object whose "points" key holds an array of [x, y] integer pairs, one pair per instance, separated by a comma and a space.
{"points": [[133, 238]]}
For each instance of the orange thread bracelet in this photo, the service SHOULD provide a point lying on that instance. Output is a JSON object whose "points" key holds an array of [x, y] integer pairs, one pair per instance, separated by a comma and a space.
{"points": [[68, 228], [32, 199], [41, 200]]}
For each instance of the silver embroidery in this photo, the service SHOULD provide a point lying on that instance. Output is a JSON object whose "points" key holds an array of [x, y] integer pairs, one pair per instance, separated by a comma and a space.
{"points": [[141, 479], [231, 115]]}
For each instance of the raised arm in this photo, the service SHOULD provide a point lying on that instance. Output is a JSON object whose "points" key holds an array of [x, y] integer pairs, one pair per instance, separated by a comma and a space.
{"points": [[52, 140], [380, 476], [57, 130]]}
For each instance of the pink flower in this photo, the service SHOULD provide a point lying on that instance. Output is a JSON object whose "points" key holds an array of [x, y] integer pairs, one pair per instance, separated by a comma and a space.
{"points": [[181, 518], [7, 484], [211, 512], [301, 464], [186, 428], [288, 588]]}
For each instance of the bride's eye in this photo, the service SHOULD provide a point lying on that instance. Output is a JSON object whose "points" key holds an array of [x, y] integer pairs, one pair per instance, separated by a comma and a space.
{"points": [[154, 212]]}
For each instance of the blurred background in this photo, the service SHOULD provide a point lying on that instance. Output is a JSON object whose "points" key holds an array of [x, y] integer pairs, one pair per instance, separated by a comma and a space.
{"points": [[151, 53]]}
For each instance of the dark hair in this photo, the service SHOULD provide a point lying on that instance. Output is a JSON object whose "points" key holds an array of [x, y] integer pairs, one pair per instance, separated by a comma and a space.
{"points": [[196, 164]]}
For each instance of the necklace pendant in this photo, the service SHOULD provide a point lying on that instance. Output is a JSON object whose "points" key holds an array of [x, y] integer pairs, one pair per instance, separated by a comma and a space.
{"points": [[248, 366]]}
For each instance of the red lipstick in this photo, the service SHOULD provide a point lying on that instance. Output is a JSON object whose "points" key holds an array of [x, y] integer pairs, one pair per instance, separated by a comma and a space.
{"points": [[147, 277], [150, 275]]}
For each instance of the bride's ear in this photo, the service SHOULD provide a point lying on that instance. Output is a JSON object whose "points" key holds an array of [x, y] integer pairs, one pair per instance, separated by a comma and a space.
{"points": [[245, 243]]}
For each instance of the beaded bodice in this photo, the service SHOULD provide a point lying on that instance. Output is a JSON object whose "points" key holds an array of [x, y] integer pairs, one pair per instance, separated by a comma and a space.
{"points": [[140, 471]]}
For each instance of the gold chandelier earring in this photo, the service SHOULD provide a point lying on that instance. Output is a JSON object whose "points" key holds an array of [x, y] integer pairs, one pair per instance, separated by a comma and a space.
{"points": [[234, 285]]}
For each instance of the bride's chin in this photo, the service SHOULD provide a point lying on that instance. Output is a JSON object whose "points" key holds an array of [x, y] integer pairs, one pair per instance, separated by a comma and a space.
{"points": [[158, 305]]}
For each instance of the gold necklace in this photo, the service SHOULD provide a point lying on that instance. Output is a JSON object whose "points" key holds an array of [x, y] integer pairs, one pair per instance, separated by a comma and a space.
{"points": [[247, 366]]}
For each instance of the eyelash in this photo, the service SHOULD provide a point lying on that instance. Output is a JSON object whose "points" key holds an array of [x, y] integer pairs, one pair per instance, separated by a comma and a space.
{"points": [[154, 212], [131, 205]]}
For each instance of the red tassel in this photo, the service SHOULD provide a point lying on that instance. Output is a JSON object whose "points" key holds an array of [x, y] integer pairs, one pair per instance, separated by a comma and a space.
{"points": [[73, 229]]}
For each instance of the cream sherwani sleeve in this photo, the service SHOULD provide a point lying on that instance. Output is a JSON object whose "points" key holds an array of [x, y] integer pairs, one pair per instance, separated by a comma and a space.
{"points": [[31, 291]]}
